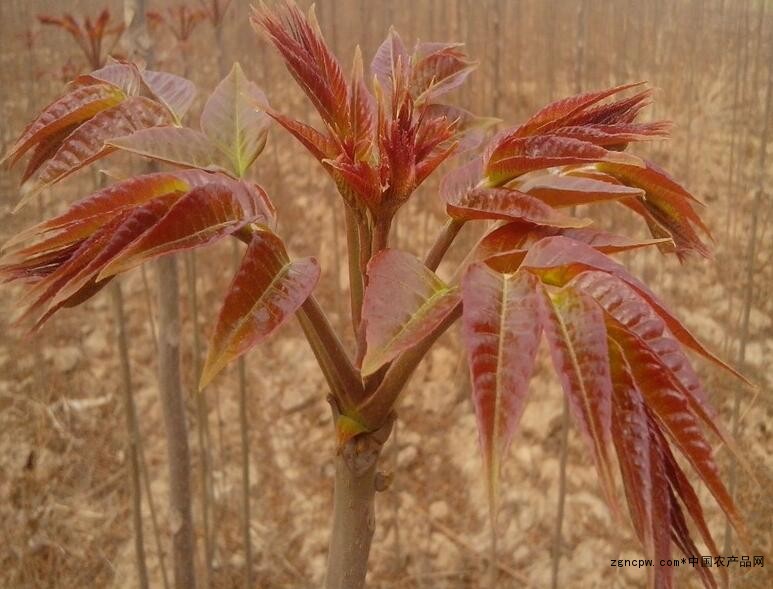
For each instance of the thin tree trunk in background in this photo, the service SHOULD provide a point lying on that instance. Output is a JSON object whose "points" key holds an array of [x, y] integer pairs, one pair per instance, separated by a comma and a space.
{"points": [[132, 434], [170, 383], [690, 92], [202, 408], [496, 93], [550, 35], [751, 255], [173, 406], [579, 61]]}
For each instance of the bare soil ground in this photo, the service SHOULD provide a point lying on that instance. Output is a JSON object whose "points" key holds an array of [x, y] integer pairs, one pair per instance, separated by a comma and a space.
{"points": [[64, 498]]}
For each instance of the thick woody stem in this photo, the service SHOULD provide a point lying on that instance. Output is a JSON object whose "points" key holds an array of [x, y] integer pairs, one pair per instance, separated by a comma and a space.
{"points": [[354, 516]]}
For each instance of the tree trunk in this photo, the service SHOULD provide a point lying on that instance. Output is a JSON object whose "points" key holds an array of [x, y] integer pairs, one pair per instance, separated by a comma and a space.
{"points": [[132, 434], [169, 380], [354, 518], [173, 406]]}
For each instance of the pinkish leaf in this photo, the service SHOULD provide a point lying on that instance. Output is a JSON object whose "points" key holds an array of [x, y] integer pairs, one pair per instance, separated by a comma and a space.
{"points": [[175, 145], [501, 333], [174, 92], [576, 334], [87, 143], [265, 292], [568, 191], [519, 155], [73, 108], [397, 319], [204, 215], [508, 204]]}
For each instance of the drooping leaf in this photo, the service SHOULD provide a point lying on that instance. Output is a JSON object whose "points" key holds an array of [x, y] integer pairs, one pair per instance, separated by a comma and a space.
{"points": [[645, 486], [688, 496], [266, 290], [175, 145], [559, 259], [568, 191], [232, 121], [576, 334], [397, 319], [671, 405], [508, 204], [90, 213], [520, 155], [204, 215], [87, 143], [501, 333], [505, 247], [73, 108], [90, 257], [667, 203], [633, 311]]}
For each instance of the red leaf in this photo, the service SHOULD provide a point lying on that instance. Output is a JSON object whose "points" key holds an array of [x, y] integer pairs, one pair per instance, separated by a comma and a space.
{"points": [[397, 319], [515, 157], [361, 112], [309, 60], [501, 335], [632, 310], [204, 215], [558, 259], [320, 146], [125, 76], [505, 247], [641, 467], [73, 108], [90, 257], [90, 213], [562, 111], [391, 52], [45, 150], [616, 136], [266, 290], [667, 400], [620, 111], [361, 179], [667, 203], [458, 182], [568, 191], [576, 334], [508, 204], [87, 143], [438, 69]]}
